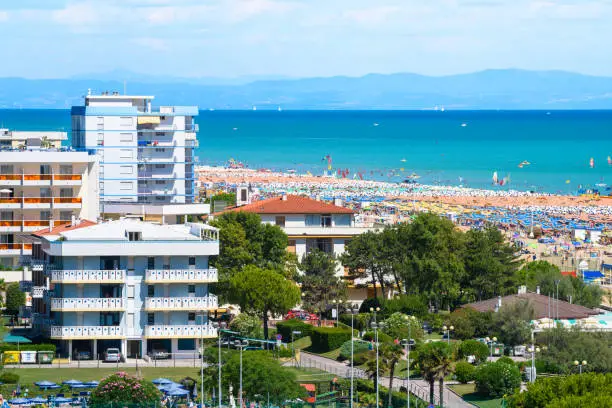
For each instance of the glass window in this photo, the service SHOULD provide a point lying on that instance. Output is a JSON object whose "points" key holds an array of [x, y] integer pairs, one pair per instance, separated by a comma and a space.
{"points": [[192, 261], [186, 344], [150, 262], [150, 290], [191, 288], [280, 221], [326, 220], [150, 319], [191, 316]]}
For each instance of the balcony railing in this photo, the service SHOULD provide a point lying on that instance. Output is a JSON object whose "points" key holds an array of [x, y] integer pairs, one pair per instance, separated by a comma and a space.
{"points": [[67, 200], [88, 275], [10, 223], [178, 331], [181, 303], [67, 177], [38, 292], [181, 275], [87, 332], [87, 304], [40, 179], [37, 177], [16, 248]]}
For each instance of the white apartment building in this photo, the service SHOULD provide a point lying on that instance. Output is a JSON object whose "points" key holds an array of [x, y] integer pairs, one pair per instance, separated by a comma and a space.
{"points": [[11, 139], [40, 188], [146, 153], [127, 284]]}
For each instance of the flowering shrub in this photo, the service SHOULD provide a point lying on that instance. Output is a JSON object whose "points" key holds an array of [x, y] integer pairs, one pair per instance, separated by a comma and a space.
{"points": [[497, 379], [123, 388]]}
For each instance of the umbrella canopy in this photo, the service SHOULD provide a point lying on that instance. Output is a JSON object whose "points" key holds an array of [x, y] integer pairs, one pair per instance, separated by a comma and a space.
{"points": [[162, 381], [10, 338], [45, 384], [72, 382], [38, 400], [177, 392], [79, 386], [19, 401], [92, 383], [62, 400]]}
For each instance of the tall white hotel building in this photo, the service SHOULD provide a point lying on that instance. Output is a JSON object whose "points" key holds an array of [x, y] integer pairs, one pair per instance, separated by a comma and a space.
{"points": [[146, 153]]}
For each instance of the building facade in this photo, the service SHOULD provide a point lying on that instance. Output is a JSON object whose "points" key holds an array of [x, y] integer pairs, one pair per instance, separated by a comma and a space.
{"points": [[133, 285], [10, 139], [146, 153], [40, 188]]}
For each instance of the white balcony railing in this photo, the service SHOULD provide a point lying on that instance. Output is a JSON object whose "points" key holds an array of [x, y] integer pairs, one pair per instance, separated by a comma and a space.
{"points": [[88, 275], [87, 304], [170, 331], [87, 332], [181, 275], [181, 303], [38, 292]]}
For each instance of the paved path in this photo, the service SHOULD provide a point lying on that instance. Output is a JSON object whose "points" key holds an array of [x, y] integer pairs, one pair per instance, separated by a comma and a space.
{"points": [[420, 388]]}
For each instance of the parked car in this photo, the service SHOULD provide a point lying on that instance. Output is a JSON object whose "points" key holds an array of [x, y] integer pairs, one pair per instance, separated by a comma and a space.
{"points": [[82, 355], [159, 354], [301, 314], [112, 355], [427, 328]]}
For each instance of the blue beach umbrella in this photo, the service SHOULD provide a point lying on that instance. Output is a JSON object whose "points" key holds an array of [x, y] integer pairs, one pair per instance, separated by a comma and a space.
{"points": [[161, 381], [62, 400], [38, 400], [19, 401], [72, 382], [92, 383], [45, 384], [177, 392], [73, 386]]}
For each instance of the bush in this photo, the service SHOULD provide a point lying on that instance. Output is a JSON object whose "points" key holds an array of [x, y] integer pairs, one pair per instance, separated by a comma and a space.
{"points": [[15, 298], [125, 389], [382, 337], [27, 347], [505, 360], [464, 372], [9, 377], [328, 338], [369, 303], [397, 327], [358, 347], [474, 348], [360, 321], [247, 325], [363, 357], [414, 305], [497, 379], [285, 328]]}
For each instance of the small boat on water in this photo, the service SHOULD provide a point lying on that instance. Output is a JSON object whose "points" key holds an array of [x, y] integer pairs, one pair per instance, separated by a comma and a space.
{"points": [[464, 125], [495, 178], [403, 160], [592, 163], [376, 124], [523, 164], [609, 161]]}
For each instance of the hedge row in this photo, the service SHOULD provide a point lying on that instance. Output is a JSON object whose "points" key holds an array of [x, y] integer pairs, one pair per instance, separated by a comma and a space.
{"points": [[27, 347], [328, 338], [285, 328]]}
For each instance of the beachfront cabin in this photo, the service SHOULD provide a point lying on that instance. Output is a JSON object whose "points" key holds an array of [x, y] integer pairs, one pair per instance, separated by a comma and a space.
{"points": [[312, 224], [140, 287]]}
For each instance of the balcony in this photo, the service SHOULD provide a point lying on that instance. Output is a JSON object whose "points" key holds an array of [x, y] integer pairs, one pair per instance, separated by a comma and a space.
{"points": [[37, 179], [40, 179], [87, 332], [317, 230], [87, 304], [34, 225], [67, 202], [180, 331], [181, 303], [10, 179], [15, 249], [67, 180], [8, 203], [181, 275], [88, 276], [10, 226], [37, 202], [38, 292]]}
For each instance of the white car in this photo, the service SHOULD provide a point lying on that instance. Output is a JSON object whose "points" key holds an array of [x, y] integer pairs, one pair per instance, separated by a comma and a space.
{"points": [[112, 355]]}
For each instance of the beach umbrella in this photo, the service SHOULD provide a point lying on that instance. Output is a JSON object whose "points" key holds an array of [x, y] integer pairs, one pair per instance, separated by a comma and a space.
{"points": [[92, 383], [62, 400], [45, 384], [73, 386], [177, 392], [162, 381], [19, 401], [72, 382], [38, 400]]}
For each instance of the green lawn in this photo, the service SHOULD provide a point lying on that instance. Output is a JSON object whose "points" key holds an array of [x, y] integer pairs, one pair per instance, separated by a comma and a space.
{"points": [[302, 343], [310, 374], [466, 391], [433, 336]]}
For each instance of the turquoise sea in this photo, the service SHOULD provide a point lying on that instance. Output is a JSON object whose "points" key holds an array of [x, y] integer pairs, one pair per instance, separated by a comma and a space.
{"points": [[450, 148]]}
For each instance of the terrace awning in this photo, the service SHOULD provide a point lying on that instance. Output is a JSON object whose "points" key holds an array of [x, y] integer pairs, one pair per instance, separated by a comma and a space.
{"points": [[149, 120], [589, 275]]}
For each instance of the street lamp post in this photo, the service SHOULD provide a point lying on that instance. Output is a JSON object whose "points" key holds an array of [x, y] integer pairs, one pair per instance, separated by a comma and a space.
{"points": [[580, 364], [219, 327], [533, 350], [491, 341], [336, 304], [448, 330], [375, 327], [353, 309], [241, 344], [407, 345]]}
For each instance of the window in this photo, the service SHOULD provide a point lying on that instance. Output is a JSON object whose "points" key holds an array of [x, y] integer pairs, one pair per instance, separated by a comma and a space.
{"points": [[64, 216], [45, 215], [45, 169], [126, 186], [126, 170], [186, 344], [291, 246], [160, 166], [126, 121], [134, 235], [191, 316], [192, 261], [326, 220], [322, 244], [190, 289], [280, 221], [126, 154], [6, 169], [65, 169], [313, 220], [159, 150], [126, 137], [150, 319], [150, 290], [45, 192], [158, 182], [131, 291], [66, 192], [150, 262]]}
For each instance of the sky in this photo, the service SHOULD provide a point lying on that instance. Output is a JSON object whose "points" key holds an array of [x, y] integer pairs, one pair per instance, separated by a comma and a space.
{"points": [[301, 38]]}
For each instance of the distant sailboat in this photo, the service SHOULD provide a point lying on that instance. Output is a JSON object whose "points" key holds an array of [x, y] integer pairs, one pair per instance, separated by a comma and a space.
{"points": [[280, 109], [375, 124], [609, 161], [254, 107], [592, 163], [403, 160], [464, 125], [495, 178]]}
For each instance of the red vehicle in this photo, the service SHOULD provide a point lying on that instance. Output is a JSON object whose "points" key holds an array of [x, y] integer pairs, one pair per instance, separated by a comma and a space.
{"points": [[301, 314]]}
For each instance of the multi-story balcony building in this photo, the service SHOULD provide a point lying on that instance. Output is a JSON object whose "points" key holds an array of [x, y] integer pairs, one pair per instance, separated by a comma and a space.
{"points": [[11, 139], [42, 187], [128, 284]]}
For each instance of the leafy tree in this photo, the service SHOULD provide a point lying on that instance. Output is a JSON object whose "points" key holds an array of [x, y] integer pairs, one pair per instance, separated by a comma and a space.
{"points": [[497, 379], [121, 388], [361, 256], [512, 322], [320, 284], [389, 354], [15, 298], [413, 305], [490, 263], [397, 326], [435, 362], [474, 348], [229, 198], [248, 325], [264, 292]]}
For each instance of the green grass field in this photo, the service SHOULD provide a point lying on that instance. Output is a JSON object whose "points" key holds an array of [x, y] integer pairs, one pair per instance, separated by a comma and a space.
{"points": [[466, 391]]}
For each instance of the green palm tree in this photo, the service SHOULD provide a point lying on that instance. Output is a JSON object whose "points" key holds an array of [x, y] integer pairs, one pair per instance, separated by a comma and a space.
{"points": [[435, 360], [389, 354]]}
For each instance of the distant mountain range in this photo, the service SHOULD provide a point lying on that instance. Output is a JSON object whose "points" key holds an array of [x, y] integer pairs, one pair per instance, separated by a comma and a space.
{"points": [[490, 89]]}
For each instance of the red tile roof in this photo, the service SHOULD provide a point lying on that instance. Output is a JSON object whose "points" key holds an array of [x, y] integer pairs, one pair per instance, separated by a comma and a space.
{"points": [[63, 227], [291, 205], [540, 304]]}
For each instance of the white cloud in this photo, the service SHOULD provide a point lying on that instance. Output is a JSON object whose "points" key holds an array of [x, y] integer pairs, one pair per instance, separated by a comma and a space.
{"points": [[155, 44]]}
